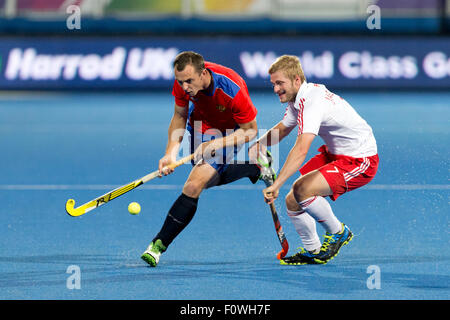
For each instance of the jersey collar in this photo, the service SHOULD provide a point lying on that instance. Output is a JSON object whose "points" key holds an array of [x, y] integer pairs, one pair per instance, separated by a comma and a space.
{"points": [[212, 86], [302, 90]]}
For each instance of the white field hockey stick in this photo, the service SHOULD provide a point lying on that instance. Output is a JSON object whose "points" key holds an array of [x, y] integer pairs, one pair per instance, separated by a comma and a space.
{"points": [[97, 202]]}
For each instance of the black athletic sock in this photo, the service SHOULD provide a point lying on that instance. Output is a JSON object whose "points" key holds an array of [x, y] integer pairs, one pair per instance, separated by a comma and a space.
{"points": [[179, 216], [237, 171]]}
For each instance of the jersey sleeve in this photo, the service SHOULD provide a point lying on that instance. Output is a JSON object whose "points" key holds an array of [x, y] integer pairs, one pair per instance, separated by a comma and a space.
{"points": [[181, 98], [242, 108], [290, 116], [310, 115]]}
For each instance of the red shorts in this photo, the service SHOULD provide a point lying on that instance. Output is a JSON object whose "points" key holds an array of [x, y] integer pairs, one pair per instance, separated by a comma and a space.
{"points": [[342, 173]]}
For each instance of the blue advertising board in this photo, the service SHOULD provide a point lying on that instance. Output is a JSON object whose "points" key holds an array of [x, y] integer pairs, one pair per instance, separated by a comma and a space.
{"points": [[146, 62]]}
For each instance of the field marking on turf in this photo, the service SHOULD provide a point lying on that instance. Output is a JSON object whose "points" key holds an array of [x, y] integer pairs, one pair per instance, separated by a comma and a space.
{"points": [[42, 187]]}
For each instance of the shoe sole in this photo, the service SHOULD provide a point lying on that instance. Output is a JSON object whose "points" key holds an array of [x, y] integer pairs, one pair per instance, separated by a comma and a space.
{"points": [[297, 263], [318, 261], [149, 259], [284, 263]]}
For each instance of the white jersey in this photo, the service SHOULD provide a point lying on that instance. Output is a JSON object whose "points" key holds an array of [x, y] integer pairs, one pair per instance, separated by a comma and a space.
{"points": [[317, 110]]}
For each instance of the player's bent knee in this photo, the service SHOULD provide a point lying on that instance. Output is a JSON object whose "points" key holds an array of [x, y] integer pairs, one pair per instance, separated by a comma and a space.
{"points": [[291, 202], [193, 189], [300, 190], [310, 185]]}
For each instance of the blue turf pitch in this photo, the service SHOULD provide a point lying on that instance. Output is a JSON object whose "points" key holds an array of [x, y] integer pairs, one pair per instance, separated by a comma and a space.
{"points": [[78, 145]]}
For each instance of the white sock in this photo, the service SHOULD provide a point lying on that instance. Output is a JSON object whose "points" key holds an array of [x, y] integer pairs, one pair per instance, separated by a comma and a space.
{"points": [[305, 226], [319, 208]]}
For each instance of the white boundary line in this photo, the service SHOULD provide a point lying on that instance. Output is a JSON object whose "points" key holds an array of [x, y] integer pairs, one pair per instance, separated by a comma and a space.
{"points": [[49, 187]]}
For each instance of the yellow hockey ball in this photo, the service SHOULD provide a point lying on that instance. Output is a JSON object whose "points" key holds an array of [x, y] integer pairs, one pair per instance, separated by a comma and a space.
{"points": [[134, 208]]}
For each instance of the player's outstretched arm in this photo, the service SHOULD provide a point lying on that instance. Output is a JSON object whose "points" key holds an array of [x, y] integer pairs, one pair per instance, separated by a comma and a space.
{"points": [[245, 133], [176, 131], [275, 134], [270, 138], [293, 161]]}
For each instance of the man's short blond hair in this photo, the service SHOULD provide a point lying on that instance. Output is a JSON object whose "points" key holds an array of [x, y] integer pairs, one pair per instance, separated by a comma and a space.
{"points": [[290, 65]]}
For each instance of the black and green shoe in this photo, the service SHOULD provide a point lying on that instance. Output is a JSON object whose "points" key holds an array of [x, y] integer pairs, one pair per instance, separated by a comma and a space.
{"points": [[302, 257]]}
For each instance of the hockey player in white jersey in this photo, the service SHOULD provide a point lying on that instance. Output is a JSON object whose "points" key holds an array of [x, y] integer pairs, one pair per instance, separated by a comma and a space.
{"points": [[348, 159]]}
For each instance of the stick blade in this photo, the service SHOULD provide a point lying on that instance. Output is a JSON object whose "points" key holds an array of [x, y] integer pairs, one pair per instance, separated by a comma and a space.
{"points": [[72, 211], [284, 250]]}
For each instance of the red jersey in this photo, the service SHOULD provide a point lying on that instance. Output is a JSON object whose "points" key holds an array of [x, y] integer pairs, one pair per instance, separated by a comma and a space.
{"points": [[227, 105]]}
